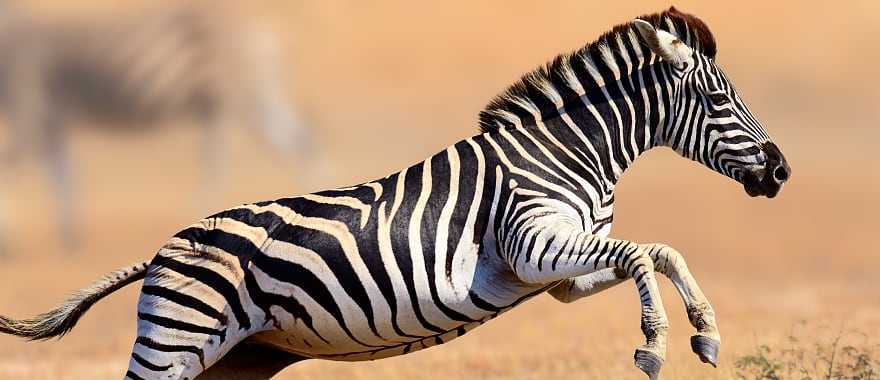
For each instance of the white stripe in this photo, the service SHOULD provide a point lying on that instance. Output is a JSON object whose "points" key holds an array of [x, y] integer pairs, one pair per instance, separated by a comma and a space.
{"points": [[420, 279], [411, 325]]}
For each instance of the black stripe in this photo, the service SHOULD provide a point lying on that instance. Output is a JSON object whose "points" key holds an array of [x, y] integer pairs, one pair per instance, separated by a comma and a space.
{"points": [[412, 189], [547, 247], [292, 273], [238, 246], [634, 87], [265, 301], [641, 274], [153, 345], [148, 365], [213, 280], [330, 249], [185, 300], [428, 226], [565, 247], [532, 246], [133, 376], [181, 325], [362, 193], [481, 303], [467, 183], [619, 93]]}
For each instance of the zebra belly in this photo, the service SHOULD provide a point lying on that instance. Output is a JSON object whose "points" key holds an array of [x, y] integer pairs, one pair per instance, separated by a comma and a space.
{"points": [[292, 341], [354, 338], [328, 322]]}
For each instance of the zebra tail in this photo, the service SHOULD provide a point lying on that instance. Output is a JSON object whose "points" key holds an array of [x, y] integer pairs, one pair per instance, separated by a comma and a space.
{"points": [[59, 321]]}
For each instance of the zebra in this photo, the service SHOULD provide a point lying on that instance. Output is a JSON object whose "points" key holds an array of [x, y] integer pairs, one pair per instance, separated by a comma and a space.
{"points": [[424, 255], [130, 72]]}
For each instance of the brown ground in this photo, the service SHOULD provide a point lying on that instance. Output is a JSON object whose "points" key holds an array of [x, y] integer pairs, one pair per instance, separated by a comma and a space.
{"points": [[387, 83]]}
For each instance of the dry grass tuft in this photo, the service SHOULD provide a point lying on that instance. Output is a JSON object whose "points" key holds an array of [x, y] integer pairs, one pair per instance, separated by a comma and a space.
{"points": [[830, 355]]}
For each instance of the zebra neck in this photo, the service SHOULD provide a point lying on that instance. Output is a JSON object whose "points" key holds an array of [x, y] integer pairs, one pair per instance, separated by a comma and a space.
{"points": [[607, 105], [617, 117]]}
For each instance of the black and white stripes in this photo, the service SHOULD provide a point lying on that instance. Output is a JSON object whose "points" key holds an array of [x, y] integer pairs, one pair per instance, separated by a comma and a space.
{"points": [[426, 254]]}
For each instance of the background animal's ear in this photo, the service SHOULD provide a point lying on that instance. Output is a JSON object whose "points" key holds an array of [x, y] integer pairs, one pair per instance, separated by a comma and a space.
{"points": [[665, 44]]}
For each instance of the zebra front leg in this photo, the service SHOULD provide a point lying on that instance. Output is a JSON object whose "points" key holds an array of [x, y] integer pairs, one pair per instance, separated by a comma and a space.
{"points": [[573, 289], [671, 264], [560, 252], [706, 341]]}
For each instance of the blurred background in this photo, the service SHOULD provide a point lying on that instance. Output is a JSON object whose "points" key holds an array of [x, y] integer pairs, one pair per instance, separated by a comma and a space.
{"points": [[370, 87]]}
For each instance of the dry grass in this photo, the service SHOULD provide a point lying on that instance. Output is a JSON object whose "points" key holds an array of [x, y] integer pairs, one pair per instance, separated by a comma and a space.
{"points": [[807, 354], [415, 79]]}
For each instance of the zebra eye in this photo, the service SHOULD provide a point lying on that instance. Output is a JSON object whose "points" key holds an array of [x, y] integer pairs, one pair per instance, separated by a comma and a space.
{"points": [[719, 99]]}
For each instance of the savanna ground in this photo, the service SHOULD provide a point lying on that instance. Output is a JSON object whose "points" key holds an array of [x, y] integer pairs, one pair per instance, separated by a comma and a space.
{"points": [[388, 83]]}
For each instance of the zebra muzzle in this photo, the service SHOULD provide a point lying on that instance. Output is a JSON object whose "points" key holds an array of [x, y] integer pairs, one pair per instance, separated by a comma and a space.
{"points": [[768, 180]]}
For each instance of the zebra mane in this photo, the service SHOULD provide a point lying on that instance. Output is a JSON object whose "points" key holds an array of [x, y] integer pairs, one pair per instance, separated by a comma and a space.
{"points": [[529, 95]]}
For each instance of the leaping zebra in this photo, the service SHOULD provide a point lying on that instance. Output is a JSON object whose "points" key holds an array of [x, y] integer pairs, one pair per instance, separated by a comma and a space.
{"points": [[423, 256]]}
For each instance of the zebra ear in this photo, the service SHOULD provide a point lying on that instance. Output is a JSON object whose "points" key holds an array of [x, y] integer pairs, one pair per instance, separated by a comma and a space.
{"points": [[665, 44]]}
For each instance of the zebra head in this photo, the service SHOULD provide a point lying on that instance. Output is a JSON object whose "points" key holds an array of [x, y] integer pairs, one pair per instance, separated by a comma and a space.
{"points": [[708, 121]]}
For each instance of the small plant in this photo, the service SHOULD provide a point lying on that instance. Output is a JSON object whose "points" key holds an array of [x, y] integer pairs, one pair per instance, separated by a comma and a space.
{"points": [[847, 355]]}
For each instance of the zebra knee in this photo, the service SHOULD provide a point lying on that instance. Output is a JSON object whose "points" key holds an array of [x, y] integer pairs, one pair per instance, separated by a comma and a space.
{"points": [[667, 260], [637, 264]]}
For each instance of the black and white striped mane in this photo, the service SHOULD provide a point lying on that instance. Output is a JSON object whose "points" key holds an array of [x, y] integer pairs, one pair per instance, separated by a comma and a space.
{"points": [[528, 90]]}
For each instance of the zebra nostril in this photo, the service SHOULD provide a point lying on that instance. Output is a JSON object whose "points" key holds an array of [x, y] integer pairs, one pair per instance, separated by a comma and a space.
{"points": [[780, 174]]}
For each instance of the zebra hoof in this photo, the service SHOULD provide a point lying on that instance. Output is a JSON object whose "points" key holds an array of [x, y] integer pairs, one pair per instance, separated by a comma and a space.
{"points": [[706, 348], [649, 363]]}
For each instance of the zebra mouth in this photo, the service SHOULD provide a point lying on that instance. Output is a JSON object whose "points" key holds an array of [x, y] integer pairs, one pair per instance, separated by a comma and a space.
{"points": [[763, 186]]}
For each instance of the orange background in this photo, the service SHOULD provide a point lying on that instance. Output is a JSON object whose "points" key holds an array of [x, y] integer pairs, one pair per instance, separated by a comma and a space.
{"points": [[387, 83]]}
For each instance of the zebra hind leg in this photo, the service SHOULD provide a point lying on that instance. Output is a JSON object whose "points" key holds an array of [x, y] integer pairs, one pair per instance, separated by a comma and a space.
{"points": [[176, 344], [186, 319], [165, 354]]}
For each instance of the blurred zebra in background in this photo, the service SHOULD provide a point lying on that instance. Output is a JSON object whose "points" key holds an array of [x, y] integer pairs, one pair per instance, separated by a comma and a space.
{"points": [[132, 72]]}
